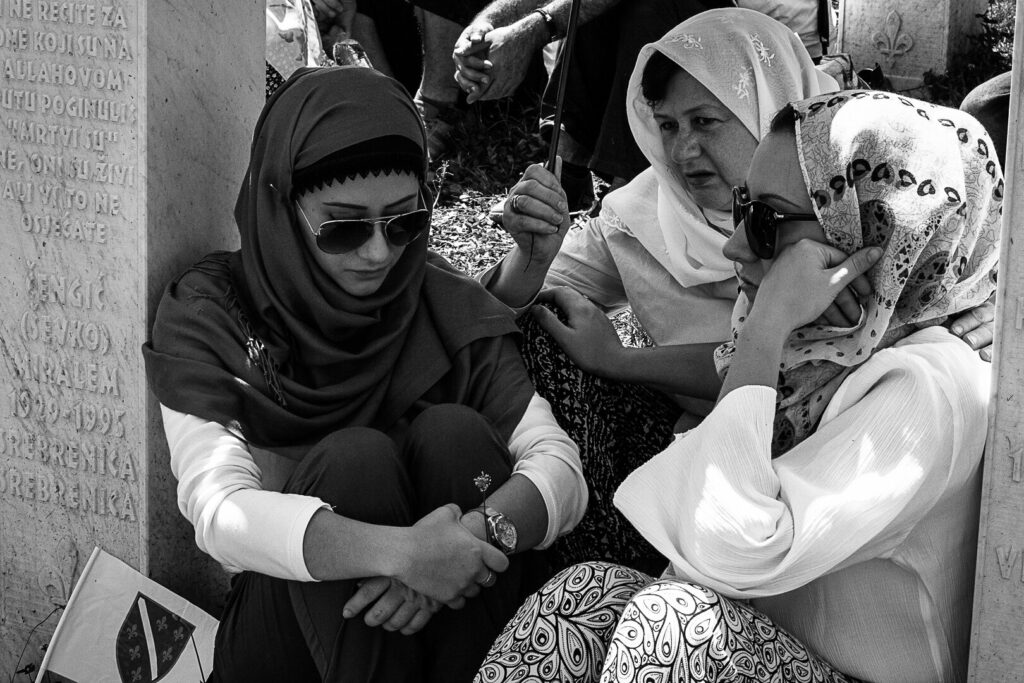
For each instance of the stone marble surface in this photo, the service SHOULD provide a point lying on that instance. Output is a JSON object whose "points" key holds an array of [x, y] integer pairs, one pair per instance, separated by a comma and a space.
{"points": [[124, 132], [908, 37]]}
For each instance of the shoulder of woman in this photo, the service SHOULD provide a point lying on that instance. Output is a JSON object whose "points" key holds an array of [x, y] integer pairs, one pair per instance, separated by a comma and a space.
{"points": [[930, 365], [210, 276]]}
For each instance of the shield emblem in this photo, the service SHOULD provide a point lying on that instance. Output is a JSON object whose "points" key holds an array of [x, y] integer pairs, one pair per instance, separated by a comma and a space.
{"points": [[150, 641]]}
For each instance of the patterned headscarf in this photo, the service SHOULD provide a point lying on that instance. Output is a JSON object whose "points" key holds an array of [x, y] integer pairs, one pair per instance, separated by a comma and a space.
{"points": [[754, 65], [918, 180]]}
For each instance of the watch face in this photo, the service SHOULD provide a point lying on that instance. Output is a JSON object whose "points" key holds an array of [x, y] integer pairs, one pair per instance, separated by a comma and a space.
{"points": [[504, 533]]}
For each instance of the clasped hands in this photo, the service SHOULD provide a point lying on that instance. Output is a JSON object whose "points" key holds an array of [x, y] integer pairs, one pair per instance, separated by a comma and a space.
{"points": [[490, 62], [444, 563]]}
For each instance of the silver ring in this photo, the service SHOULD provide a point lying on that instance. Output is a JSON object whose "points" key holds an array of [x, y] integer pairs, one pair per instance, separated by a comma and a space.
{"points": [[514, 203], [490, 580]]}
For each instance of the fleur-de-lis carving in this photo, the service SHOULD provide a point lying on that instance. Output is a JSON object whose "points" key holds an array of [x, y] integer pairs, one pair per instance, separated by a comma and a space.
{"points": [[892, 42]]}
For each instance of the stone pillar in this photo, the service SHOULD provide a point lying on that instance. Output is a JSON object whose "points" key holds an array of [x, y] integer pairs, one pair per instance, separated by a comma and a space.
{"points": [[124, 134], [907, 38]]}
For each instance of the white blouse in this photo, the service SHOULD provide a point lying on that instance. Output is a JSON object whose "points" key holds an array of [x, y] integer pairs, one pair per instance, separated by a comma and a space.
{"points": [[861, 539], [231, 493]]}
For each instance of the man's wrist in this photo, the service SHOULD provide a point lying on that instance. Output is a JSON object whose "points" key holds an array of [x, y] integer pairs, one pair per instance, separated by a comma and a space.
{"points": [[550, 25], [535, 29]]}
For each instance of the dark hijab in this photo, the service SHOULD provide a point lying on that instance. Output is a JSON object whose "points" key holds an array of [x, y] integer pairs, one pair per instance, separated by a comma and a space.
{"points": [[264, 342]]}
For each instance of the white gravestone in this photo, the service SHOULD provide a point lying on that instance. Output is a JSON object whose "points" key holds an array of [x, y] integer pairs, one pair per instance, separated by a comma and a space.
{"points": [[124, 134], [906, 38]]}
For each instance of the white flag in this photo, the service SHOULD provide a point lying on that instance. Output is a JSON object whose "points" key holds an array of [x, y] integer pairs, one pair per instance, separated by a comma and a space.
{"points": [[122, 627]]}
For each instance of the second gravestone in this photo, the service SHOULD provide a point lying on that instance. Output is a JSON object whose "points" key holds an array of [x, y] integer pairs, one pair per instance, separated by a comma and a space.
{"points": [[124, 134]]}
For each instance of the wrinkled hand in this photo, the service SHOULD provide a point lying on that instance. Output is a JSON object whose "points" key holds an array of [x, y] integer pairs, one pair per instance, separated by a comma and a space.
{"points": [[470, 57], [509, 53], [445, 561], [540, 224], [806, 278], [335, 13], [587, 336], [977, 328], [396, 607]]}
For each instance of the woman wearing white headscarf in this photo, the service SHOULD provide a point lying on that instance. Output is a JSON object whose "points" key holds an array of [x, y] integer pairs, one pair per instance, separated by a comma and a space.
{"points": [[656, 247], [821, 522]]}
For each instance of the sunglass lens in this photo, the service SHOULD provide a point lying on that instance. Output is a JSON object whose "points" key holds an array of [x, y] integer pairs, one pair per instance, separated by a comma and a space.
{"points": [[401, 230], [338, 237], [759, 221]]}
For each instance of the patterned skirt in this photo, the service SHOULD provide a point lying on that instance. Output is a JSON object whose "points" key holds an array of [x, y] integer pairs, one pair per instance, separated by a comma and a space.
{"points": [[618, 427], [602, 622]]}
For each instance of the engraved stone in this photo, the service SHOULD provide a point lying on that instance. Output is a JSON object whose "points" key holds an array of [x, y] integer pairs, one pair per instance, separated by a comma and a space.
{"points": [[906, 38], [124, 133]]}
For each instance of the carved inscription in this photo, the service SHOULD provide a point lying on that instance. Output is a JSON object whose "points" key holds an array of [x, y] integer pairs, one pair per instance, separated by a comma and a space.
{"points": [[70, 321], [1016, 458]]}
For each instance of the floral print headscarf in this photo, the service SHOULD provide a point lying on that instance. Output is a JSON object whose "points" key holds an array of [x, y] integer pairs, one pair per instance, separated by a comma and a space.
{"points": [[920, 181]]}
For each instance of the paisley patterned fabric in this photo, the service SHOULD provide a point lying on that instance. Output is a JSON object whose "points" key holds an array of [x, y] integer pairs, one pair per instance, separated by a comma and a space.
{"points": [[600, 621], [918, 180], [678, 631], [562, 631]]}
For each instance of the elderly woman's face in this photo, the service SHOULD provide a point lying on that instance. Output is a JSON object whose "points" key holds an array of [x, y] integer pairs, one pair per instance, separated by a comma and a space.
{"points": [[362, 271], [707, 145], [776, 179]]}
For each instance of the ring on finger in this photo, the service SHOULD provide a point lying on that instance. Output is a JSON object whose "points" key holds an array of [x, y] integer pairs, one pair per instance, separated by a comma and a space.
{"points": [[514, 203], [490, 580]]}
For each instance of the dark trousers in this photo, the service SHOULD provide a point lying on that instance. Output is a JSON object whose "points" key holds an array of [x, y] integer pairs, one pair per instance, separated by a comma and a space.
{"points": [[278, 630]]}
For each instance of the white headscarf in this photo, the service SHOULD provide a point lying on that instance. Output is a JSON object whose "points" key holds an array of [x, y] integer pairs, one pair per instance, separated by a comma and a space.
{"points": [[755, 66]]}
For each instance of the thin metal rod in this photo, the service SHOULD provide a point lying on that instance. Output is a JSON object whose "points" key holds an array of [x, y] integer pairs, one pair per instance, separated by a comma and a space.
{"points": [[563, 77]]}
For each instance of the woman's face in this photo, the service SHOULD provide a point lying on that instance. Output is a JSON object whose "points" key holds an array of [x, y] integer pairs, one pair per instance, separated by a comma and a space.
{"points": [[361, 271], [776, 179], [707, 145]]}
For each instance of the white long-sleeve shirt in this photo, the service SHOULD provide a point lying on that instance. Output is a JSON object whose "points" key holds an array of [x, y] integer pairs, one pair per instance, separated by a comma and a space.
{"points": [[861, 539], [231, 492]]}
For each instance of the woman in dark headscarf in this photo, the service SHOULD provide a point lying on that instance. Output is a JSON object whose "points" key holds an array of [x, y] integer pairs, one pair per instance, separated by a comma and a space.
{"points": [[350, 423]]}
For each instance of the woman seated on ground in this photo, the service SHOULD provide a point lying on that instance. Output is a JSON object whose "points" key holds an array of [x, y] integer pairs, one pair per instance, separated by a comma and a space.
{"points": [[835, 485], [350, 423], [699, 100]]}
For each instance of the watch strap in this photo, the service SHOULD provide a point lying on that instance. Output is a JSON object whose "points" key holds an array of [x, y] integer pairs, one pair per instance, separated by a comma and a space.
{"points": [[549, 23]]}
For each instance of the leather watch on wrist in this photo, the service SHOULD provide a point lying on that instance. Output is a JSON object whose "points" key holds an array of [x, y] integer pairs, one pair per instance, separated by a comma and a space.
{"points": [[549, 23], [501, 531]]}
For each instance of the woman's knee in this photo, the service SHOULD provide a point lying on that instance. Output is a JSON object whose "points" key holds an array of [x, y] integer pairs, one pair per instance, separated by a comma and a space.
{"points": [[358, 471], [598, 586], [447, 448], [447, 428]]}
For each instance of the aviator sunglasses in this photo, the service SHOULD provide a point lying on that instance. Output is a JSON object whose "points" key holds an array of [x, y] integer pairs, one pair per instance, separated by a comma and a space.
{"points": [[347, 234], [761, 222]]}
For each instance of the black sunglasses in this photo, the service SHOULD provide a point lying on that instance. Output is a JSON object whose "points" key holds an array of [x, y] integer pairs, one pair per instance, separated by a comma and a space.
{"points": [[761, 222], [347, 234]]}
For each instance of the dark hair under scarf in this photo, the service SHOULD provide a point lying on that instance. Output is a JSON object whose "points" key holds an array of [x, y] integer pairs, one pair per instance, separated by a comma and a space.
{"points": [[265, 342]]}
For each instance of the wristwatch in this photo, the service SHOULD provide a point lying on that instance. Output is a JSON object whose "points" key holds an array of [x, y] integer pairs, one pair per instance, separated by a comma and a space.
{"points": [[501, 531], [549, 23]]}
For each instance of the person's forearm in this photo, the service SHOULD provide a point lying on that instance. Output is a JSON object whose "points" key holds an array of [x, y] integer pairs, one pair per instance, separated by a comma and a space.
{"points": [[683, 369], [504, 12], [559, 10], [517, 279], [758, 354], [520, 501], [337, 547]]}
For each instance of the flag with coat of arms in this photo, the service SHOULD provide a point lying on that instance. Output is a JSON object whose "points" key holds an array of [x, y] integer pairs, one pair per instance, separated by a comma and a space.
{"points": [[122, 627]]}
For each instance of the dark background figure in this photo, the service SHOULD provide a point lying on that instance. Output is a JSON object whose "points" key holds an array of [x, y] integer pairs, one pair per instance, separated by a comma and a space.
{"points": [[990, 104]]}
